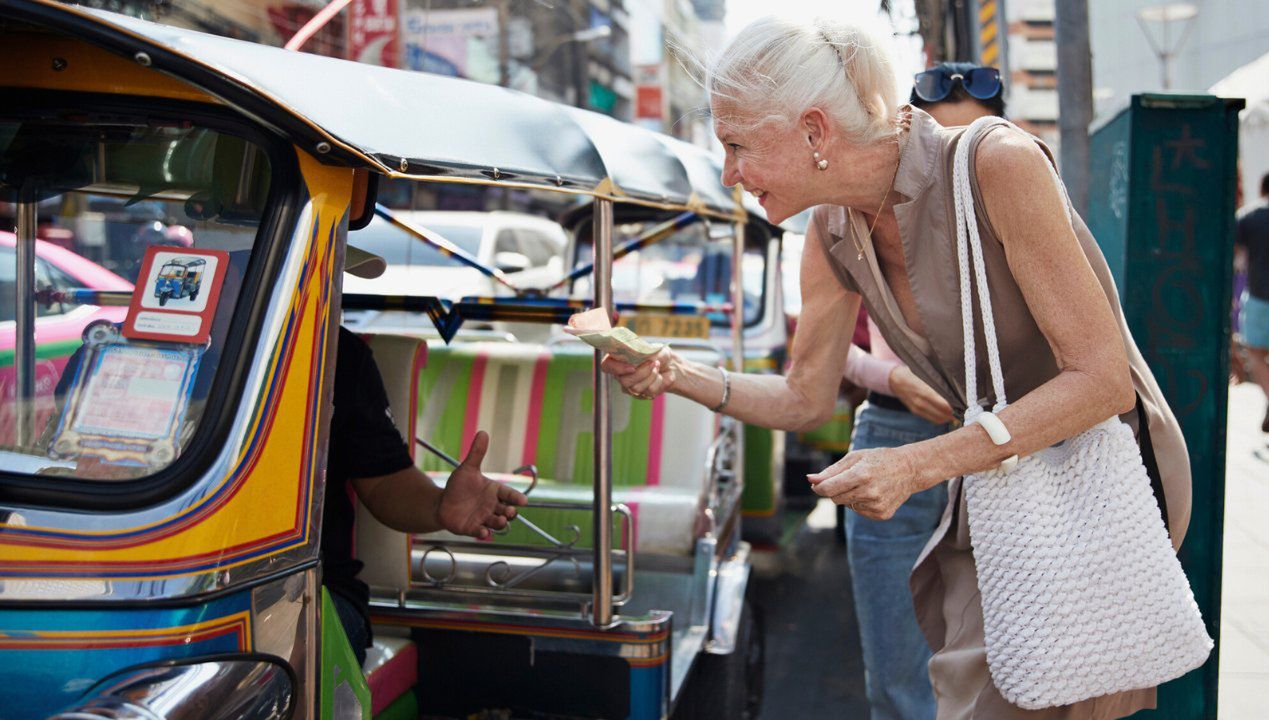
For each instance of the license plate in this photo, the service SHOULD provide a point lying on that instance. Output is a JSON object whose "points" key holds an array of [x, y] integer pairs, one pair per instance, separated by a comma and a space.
{"points": [[667, 326]]}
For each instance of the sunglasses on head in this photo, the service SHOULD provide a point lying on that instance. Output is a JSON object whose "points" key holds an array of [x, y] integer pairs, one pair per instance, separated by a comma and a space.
{"points": [[981, 83]]}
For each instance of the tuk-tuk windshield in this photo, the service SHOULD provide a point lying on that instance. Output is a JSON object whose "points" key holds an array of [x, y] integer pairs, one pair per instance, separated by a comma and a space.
{"points": [[123, 205], [690, 266]]}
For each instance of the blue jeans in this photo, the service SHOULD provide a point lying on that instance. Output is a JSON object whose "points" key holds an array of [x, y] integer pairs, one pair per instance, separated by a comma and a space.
{"points": [[881, 556]]}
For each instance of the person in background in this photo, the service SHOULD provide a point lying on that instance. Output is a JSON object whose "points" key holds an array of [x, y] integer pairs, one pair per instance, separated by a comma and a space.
{"points": [[368, 452], [1252, 252], [902, 409]]}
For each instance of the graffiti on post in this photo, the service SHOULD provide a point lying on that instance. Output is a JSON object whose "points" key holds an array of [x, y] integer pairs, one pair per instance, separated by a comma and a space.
{"points": [[1179, 306]]}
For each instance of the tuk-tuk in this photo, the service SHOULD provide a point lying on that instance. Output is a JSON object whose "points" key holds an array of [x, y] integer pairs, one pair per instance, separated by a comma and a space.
{"points": [[179, 278], [159, 527]]}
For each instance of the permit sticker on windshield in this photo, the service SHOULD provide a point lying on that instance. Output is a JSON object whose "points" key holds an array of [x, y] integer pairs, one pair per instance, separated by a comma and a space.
{"points": [[127, 403], [177, 296]]}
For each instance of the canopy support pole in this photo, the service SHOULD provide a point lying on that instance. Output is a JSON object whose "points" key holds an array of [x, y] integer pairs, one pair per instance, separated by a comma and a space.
{"points": [[738, 339], [319, 21], [601, 602], [24, 330]]}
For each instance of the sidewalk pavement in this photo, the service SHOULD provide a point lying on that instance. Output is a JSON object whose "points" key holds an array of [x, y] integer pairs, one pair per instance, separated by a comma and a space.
{"points": [[1244, 661]]}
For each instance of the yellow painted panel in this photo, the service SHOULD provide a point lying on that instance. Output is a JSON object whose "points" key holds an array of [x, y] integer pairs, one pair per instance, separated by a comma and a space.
{"points": [[31, 60]]}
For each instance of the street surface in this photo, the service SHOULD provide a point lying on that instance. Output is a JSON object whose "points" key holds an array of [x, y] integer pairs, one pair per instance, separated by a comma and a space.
{"points": [[814, 666], [1244, 663]]}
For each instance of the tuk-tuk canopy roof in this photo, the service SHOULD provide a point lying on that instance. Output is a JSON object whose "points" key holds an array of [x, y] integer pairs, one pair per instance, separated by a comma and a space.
{"points": [[412, 124]]}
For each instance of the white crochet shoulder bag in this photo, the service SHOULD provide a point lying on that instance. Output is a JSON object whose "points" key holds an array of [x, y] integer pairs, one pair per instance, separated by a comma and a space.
{"points": [[1082, 593]]}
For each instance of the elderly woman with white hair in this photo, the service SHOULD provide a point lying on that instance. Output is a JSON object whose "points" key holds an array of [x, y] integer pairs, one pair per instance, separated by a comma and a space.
{"points": [[809, 117]]}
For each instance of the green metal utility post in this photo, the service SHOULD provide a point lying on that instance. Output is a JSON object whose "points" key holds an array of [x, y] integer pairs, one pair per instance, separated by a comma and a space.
{"points": [[1161, 205]]}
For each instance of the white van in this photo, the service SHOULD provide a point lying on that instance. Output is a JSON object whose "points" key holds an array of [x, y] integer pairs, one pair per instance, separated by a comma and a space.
{"points": [[529, 248]]}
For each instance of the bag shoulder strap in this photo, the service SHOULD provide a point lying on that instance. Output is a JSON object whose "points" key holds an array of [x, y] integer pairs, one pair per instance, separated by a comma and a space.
{"points": [[968, 243]]}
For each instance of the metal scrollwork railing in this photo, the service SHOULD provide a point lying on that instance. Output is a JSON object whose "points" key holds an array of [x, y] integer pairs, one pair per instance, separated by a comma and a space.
{"points": [[555, 569]]}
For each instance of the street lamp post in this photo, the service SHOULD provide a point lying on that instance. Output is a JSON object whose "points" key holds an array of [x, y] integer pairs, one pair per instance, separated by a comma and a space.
{"points": [[581, 36], [1165, 14]]}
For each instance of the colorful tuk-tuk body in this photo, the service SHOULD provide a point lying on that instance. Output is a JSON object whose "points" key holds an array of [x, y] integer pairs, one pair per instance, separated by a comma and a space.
{"points": [[159, 524]]}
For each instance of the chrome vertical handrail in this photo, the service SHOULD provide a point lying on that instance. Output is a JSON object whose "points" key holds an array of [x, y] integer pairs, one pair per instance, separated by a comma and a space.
{"points": [[24, 329], [601, 602], [738, 338]]}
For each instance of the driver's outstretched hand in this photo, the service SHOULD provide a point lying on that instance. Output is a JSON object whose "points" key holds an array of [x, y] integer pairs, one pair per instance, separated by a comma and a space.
{"points": [[473, 504]]}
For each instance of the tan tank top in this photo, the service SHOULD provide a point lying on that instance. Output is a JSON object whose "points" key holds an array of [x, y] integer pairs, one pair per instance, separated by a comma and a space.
{"points": [[927, 230]]}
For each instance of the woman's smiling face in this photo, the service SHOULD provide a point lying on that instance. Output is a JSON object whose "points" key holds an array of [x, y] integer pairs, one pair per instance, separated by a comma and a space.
{"points": [[771, 160]]}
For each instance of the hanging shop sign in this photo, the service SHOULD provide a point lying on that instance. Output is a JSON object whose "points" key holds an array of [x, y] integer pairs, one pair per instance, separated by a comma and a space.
{"points": [[374, 31]]}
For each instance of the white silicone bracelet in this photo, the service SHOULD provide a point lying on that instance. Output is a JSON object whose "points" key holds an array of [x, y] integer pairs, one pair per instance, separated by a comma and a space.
{"points": [[999, 435]]}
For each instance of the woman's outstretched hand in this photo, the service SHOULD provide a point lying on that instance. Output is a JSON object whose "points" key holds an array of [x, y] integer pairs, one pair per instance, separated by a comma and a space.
{"points": [[873, 483], [647, 380]]}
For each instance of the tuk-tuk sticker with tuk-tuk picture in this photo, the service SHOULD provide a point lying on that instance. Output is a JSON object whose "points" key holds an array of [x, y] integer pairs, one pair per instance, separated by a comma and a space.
{"points": [[177, 297]]}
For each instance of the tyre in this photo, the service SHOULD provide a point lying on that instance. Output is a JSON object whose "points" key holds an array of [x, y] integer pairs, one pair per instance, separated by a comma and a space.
{"points": [[163, 298], [728, 687], [193, 296]]}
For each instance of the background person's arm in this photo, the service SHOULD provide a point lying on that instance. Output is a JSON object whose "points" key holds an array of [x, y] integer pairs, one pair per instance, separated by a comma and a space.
{"points": [[1029, 214], [802, 400], [869, 371]]}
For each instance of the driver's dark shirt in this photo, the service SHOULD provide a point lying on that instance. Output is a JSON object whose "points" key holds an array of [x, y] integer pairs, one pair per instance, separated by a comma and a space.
{"points": [[364, 442]]}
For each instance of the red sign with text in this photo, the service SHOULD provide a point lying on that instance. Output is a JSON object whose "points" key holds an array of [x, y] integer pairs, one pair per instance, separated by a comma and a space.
{"points": [[374, 30], [648, 102], [177, 291]]}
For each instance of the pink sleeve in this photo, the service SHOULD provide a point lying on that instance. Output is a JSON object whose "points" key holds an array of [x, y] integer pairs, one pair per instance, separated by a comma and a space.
{"points": [[868, 371]]}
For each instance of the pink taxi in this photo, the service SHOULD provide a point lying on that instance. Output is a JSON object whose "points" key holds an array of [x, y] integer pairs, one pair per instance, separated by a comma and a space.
{"points": [[58, 327]]}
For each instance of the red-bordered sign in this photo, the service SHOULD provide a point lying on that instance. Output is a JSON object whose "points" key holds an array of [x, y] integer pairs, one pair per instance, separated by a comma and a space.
{"points": [[176, 295], [373, 32]]}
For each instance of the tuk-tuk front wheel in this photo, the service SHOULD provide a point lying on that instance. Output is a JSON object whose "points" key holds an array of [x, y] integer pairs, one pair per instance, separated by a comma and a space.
{"points": [[164, 297]]}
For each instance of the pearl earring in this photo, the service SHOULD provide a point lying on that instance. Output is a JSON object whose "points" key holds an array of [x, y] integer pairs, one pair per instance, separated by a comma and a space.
{"points": [[819, 162]]}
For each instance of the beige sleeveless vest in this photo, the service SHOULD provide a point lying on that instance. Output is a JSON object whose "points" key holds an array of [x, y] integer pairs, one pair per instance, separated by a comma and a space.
{"points": [[927, 229]]}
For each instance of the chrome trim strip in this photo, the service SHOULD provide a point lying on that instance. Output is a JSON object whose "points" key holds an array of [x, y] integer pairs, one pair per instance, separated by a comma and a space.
{"points": [[733, 578]]}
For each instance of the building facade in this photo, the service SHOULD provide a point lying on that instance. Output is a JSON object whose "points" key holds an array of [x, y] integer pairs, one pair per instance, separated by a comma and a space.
{"points": [[1030, 67]]}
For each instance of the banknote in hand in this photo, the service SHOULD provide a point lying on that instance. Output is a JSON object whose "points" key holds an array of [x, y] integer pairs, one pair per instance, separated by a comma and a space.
{"points": [[623, 343], [593, 328]]}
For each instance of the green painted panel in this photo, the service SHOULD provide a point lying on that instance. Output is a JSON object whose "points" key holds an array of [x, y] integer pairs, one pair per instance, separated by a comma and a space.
{"points": [[343, 685], [833, 436], [1162, 208], [760, 479], [405, 707]]}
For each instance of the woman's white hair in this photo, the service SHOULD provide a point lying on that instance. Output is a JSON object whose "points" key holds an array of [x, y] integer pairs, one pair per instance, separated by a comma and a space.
{"points": [[777, 69]]}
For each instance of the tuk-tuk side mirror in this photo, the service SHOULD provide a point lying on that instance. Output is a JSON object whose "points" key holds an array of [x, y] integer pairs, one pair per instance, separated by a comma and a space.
{"points": [[365, 192]]}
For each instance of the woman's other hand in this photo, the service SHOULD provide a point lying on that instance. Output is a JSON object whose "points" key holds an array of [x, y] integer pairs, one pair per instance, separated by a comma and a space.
{"points": [[645, 381], [919, 397], [873, 483]]}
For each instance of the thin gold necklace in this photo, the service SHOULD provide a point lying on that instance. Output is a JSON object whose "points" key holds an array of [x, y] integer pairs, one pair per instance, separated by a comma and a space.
{"points": [[858, 245]]}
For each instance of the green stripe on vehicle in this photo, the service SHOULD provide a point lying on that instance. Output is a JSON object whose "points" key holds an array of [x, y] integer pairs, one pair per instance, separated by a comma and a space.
{"points": [[45, 351], [442, 405]]}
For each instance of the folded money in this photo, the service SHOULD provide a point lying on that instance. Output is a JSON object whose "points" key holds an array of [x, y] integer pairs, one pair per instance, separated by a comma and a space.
{"points": [[623, 343], [595, 320], [593, 328]]}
